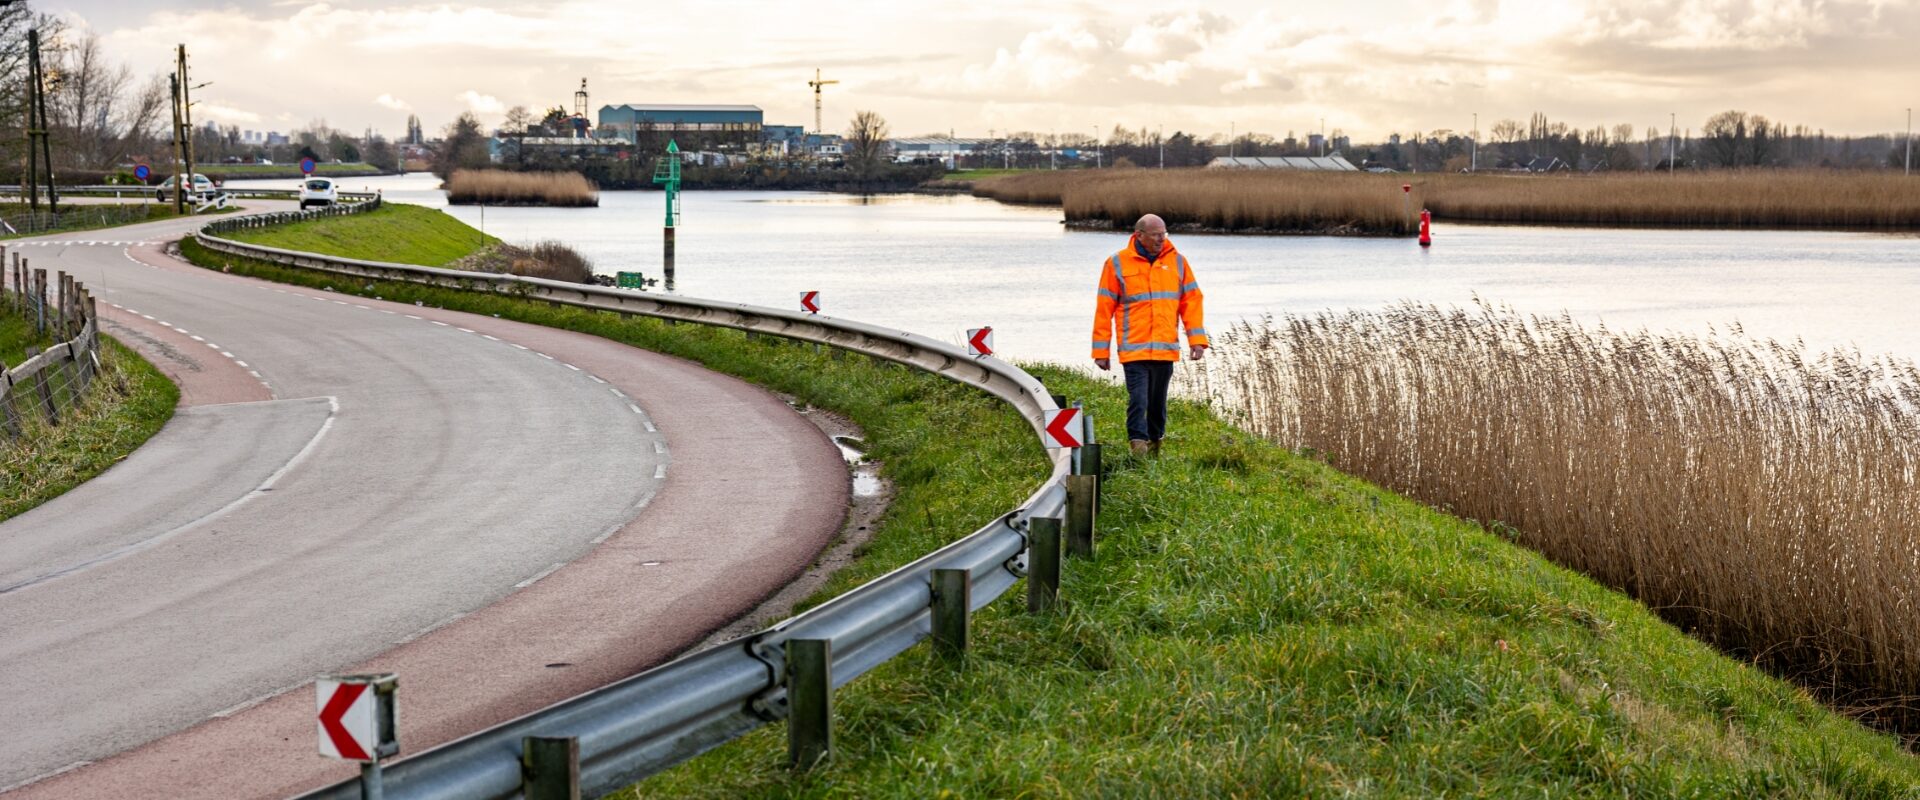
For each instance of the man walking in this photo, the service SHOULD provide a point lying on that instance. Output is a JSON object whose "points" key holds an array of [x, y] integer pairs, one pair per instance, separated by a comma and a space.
{"points": [[1148, 291]]}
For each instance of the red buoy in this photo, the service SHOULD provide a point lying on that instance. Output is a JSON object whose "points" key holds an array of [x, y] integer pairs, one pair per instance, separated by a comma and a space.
{"points": [[1426, 228]]}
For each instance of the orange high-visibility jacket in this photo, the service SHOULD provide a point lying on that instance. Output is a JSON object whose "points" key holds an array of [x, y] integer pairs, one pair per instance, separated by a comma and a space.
{"points": [[1148, 302]]}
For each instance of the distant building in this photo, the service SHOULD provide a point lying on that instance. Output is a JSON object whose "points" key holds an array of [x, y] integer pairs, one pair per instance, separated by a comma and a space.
{"points": [[1315, 142], [509, 148], [938, 148], [275, 138], [1333, 163], [630, 119]]}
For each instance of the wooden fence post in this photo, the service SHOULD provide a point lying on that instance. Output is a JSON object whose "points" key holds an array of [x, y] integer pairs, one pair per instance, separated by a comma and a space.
{"points": [[42, 391]]}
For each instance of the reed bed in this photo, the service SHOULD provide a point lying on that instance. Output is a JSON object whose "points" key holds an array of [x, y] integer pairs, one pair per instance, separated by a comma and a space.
{"points": [[502, 188], [1282, 201], [1754, 494]]}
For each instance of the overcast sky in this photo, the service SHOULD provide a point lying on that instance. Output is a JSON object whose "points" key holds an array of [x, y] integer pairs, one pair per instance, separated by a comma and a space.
{"points": [[1368, 67]]}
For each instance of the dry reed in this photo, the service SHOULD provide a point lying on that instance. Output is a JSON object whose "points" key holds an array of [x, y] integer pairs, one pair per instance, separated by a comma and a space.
{"points": [[1757, 495], [547, 259], [502, 188], [1284, 201]]}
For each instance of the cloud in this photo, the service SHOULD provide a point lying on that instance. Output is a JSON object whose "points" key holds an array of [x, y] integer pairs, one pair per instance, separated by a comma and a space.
{"points": [[389, 101], [224, 113], [481, 103]]}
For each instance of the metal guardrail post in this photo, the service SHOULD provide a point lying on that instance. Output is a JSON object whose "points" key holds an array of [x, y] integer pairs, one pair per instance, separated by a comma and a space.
{"points": [[550, 767], [1043, 563], [952, 605], [810, 695], [1081, 507]]}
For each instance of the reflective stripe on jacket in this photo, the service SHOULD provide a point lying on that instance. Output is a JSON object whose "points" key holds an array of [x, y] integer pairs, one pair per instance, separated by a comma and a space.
{"points": [[1147, 302]]}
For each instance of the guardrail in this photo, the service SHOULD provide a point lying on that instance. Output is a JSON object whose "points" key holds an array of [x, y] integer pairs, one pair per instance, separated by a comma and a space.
{"points": [[673, 712], [131, 191], [54, 381]]}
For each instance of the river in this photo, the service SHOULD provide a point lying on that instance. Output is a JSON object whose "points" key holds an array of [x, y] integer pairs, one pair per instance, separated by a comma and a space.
{"points": [[937, 265]]}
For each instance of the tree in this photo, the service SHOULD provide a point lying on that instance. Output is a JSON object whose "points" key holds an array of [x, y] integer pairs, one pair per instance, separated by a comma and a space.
{"points": [[414, 133], [1725, 136], [381, 153], [518, 120], [1506, 130], [866, 143], [99, 113], [463, 147]]}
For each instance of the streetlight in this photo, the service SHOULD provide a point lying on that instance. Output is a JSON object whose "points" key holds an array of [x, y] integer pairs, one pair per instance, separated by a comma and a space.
{"points": [[1099, 158], [1323, 137], [1232, 135], [1474, 160], [1909, 142], [1163, 144]]}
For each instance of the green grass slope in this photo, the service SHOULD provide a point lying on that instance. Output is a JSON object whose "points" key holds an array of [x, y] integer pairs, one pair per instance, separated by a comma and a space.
{"points": [[395, 232], [1255, 624]]}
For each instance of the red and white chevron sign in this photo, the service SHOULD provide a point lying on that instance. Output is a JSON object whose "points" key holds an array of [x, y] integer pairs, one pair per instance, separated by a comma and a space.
{"points": [[1063, 428], [980, 341], [349, 728], [810, 301]]}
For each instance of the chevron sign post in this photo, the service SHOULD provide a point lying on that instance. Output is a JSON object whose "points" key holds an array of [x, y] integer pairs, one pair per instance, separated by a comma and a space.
{"points": [[810, 301], [1063, 428], [356, 717], [980, 341]]}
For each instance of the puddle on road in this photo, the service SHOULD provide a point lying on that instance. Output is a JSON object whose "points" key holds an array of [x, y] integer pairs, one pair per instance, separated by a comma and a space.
{"points": [[865, 482]]}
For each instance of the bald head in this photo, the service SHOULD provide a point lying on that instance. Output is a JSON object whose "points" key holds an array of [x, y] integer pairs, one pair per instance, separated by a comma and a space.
{"points": [[1151, 233]]}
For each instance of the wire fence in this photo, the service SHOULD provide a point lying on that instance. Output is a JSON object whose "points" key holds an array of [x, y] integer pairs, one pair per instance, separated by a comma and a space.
{"points": [[50, 383], [98, 215]]}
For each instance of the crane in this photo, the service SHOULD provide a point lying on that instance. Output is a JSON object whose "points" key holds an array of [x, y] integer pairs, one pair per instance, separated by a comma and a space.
{"points": [[816, 83]]}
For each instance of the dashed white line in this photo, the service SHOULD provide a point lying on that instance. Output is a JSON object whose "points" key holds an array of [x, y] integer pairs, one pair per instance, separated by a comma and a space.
{"points": [[212, 345], [439, 323], [195, 338], [464, 330], [616, 392], [227, 354], [241, 363], [650, 428], [659, 447], [495, 338], [660, 472], [545, 356], [597, 379], [410, 316], [521, 346], [635, 409], [569, 366]]}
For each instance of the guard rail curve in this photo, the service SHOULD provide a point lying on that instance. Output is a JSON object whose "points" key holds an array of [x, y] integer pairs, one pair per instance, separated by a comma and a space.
{"points": [[663, 716]]}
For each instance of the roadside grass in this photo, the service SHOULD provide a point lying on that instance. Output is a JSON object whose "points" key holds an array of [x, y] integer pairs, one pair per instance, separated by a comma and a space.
{"points": [[1255, 624], [976, 174], [16, 335], [129, 402], [395, 232]]}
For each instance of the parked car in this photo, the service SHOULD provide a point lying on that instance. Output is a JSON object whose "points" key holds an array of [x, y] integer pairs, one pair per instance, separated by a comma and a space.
{"points": [[201, 190], [318, 192]]}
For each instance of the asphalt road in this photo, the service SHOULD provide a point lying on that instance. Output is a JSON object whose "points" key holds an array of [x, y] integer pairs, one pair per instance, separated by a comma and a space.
{"points": [[345, 481]]}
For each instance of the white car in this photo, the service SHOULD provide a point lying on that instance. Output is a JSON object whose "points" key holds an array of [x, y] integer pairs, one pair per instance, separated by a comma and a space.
{"points": [[202, 189], [318, 192]]}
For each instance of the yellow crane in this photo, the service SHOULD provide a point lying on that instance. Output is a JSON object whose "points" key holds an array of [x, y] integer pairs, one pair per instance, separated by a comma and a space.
{"points": [[816, 83]]}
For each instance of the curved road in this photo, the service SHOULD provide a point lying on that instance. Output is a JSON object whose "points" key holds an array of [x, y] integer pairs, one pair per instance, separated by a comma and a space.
{"points": [[358, 485]]}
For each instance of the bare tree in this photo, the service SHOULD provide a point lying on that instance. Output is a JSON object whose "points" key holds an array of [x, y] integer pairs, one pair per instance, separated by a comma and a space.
{"points": [[866, 142], [518, 120], [100, 115], [1506, 130]]}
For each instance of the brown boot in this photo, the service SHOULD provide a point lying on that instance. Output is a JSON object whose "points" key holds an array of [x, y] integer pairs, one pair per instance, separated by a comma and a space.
{"points": [[1139, 446], [1153, 448]]}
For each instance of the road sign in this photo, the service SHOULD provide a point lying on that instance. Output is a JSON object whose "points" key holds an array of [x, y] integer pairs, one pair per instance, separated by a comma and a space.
{"points": [[630, 280], [356, 716], [1063, 428], [810, 301], [980, 341], [143, 172], [306, 166]]}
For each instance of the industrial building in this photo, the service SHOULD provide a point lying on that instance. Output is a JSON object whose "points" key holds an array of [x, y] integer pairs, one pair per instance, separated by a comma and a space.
{"points": [[627, 120], [1333, 163], [938, 149]]}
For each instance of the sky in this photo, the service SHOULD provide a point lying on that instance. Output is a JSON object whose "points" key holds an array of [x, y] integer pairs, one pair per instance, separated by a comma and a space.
{"points": [[987, 67]]}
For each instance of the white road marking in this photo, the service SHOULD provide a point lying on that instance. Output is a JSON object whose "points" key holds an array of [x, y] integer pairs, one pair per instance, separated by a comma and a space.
{"points": [[495, 338], [241, 363], [195, 338], [439, 323], [464, 330], [543, 573], [410, 316], [659, 447], [597, 379], [569, 366], [650, 428], [660, 472]]}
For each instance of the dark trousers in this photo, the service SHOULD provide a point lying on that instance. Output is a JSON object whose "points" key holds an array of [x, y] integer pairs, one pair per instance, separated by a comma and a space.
{"points": [[1147, 398]]}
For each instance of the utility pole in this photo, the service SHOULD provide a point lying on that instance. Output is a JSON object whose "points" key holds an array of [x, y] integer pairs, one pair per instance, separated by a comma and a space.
{"points": [[1157, 134], [1474, 160], [173, 89], [1233, 136], [37, 130], [816, 83], [1053, 146], [186, 119], [1323, 137], [1673, 126], [1909, 142]]}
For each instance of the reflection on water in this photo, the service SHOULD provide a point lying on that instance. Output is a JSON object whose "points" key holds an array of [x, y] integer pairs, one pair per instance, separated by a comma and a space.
{"points": [[939, 264]]}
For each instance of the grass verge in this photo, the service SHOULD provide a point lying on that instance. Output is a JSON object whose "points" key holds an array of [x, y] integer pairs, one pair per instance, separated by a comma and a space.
{"points": [[129, 402], [16, 335], [1255, 624], [395, 232]]}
